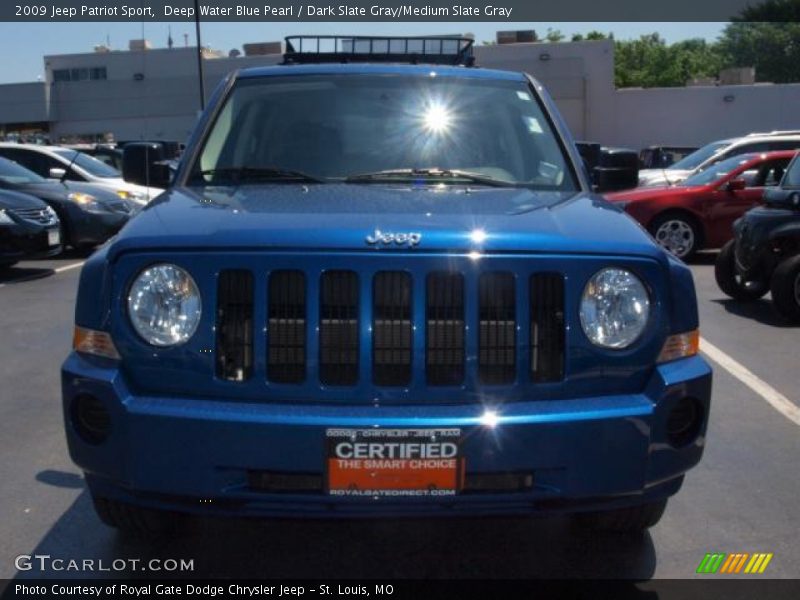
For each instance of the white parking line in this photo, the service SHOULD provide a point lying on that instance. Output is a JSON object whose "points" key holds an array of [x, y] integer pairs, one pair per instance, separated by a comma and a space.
{"points": [[773, 397], [34, 277], [69, 267]]}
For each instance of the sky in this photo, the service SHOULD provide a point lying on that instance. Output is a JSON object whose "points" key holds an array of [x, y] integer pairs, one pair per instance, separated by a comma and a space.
{"points": [[24, 44]]}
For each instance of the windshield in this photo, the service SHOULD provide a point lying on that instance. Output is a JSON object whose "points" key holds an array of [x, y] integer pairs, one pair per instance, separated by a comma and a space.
{"points": [[792, 178], [368, 129], [88, 163], [12, 173], [718, 170], [696, 158]]}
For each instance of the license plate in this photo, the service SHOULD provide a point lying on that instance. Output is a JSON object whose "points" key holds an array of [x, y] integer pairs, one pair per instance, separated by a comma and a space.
{"points": [[53, 237], [394, 462]]}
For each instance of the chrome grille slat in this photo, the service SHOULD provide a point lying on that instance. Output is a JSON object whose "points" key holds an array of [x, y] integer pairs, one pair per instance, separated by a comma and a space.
{"points": [[36, 215]]}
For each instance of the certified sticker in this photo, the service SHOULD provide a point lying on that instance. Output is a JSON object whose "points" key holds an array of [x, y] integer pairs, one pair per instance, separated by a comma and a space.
{"points": [[394, 462]]}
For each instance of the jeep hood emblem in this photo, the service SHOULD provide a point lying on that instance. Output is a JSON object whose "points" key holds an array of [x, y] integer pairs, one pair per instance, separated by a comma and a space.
{"points": [[410, 239]]}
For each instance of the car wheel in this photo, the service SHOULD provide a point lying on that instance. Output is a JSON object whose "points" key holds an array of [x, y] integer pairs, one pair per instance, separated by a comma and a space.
{"points": [[785, 289], [633, 519], [730, 282], [135, 520], [676, 234]]}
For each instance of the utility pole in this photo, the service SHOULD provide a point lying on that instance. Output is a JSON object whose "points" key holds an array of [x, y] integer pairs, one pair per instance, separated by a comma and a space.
{"points": [[199, 55]]}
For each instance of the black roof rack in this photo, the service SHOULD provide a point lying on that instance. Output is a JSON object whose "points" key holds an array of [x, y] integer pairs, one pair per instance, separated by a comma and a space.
{"points": [[445, 50]]}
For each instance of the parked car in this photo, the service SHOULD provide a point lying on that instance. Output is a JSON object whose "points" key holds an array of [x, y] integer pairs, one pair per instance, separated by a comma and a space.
{"points": [[661, 157], [109, 154], [87, 215], [718, 151], [28, 229], [765, 252], [699, 211], [383, 289], [65, 164]]}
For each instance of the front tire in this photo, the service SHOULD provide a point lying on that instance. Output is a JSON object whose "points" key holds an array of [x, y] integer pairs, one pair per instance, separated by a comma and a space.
{"points": [[785, 288], [630, 520], [136, 521], [676, 233], [729, 280]]}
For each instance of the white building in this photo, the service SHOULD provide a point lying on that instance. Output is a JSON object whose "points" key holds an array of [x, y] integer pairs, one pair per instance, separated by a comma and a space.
{"points": [[153, 94]]}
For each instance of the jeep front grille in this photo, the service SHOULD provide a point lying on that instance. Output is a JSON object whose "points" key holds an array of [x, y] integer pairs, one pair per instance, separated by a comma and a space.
{"points": [[338, 328], [391, 328], [547, 327], [375, 328], [444, 329], [235, 325], [286, 329]]}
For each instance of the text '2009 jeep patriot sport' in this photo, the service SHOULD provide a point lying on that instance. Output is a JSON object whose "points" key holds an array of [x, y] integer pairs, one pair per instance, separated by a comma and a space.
{"points": [[384, 289]]}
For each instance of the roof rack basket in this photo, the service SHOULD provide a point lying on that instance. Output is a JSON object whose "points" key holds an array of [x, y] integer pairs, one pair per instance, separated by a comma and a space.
{"points": [[444, 50]]}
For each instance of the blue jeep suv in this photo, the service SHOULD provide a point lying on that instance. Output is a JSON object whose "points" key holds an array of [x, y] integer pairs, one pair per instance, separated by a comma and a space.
{"points": [[379, 284]]}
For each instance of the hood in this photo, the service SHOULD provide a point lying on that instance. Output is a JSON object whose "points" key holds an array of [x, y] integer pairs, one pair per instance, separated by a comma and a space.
{"points": [[58, 191], [342, 216], [14, 200], [650, 193]]}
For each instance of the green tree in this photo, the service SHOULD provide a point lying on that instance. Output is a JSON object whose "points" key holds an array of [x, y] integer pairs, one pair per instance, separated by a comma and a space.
{"points": [[554, 35], [651, 62], [772, 48]]}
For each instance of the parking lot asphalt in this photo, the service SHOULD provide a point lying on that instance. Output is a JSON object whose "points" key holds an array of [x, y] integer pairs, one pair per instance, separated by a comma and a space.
{"points": [[741, 498]]}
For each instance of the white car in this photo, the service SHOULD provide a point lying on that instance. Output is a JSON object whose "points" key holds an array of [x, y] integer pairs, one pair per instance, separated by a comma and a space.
{"points": [[717, 151], [56, 162]]}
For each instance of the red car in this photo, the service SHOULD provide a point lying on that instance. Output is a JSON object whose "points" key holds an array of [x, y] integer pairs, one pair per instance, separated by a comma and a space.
{"points": [[699, 212]]}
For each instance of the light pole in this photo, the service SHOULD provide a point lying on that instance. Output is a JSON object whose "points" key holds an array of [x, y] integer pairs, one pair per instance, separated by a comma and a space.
{"points": [[199, 55]]}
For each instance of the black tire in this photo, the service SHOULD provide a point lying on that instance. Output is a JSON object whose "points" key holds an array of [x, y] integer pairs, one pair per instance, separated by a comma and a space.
{"points": [[633, 519], [785, 288], [729, 281], [684, 227], [8, 265], [135, 520]]}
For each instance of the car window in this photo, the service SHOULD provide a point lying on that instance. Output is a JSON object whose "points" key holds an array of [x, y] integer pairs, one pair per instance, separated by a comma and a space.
{"points": [[343, 126], [785, 145], [13, 173], [792, 177], [26, 158], [88, 163], [771, 173], [696, 158], [717, 171]]}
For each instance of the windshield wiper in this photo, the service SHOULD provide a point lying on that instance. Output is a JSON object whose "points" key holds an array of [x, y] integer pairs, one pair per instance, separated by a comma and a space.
{"points": [[432, 173], [238, 174]]}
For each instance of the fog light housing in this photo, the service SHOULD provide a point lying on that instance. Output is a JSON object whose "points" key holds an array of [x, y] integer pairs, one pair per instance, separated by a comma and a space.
{"points": [[684, 422], [90, 418]]}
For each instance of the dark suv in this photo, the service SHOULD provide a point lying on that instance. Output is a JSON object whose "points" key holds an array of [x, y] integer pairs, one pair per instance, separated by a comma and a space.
{"points": [[765, 253]]}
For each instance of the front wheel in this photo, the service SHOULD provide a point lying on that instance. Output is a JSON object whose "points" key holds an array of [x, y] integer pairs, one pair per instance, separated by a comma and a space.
{"points": [[632, 519], [785, 289], [730, 282], [677, 234]]}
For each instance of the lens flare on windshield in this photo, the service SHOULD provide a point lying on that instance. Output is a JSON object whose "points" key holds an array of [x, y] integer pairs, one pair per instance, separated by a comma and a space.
{"points": [[437, 118]]}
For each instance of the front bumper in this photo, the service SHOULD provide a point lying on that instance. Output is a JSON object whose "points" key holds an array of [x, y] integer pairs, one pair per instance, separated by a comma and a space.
{"points": [[18, 242], [92, 228], [197, 455]]}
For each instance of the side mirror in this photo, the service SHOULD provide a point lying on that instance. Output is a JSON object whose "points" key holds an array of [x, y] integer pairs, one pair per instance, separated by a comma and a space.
{"points": [[143, 163], [735, 185], [56, 173]]}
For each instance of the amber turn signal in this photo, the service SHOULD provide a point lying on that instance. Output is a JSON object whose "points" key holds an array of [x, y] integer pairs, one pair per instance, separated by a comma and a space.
{"points": [[680, 345], [97, 343]]}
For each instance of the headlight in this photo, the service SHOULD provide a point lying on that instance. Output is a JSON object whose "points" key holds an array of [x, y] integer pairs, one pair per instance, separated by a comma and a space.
{"points": [[4, 218], [137, 197], [164, 305], [87, 201], [614, 308]]}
